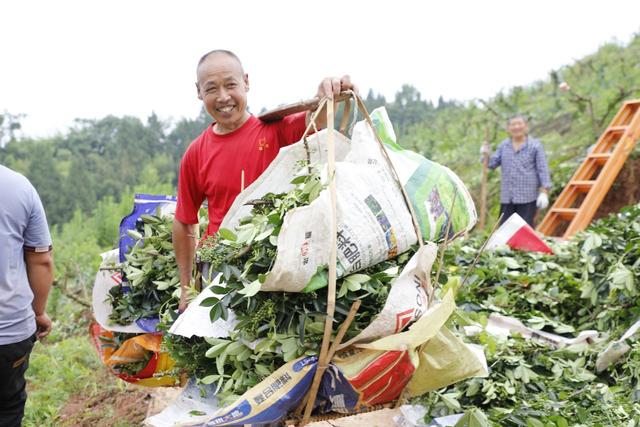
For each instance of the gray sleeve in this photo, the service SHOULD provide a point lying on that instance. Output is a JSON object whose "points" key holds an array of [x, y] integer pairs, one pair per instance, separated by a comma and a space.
{"points": [[36, 234]]}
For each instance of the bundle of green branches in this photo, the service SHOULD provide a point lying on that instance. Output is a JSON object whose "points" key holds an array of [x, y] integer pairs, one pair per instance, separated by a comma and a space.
{"points": [[151, 272], [591, 283], [274, 327]]}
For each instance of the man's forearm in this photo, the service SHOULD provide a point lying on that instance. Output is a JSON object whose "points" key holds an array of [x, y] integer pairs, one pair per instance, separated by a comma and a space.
{"points": [[40, 274], [184, 245]]}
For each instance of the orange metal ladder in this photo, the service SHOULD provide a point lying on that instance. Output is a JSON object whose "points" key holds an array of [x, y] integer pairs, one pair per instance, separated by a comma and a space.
{"points": [[578, 202]]}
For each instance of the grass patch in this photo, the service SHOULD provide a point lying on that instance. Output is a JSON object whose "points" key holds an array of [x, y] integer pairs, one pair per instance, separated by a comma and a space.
{"points": [[57, 371], [67, 378]]}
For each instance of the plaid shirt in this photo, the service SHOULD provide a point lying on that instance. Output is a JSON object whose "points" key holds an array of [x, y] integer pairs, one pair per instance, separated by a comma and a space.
{"points": [[523, 172]]}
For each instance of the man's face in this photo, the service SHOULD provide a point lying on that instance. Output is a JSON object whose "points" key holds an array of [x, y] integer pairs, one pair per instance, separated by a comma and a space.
{"points": [[222, 87], [517, 128]]}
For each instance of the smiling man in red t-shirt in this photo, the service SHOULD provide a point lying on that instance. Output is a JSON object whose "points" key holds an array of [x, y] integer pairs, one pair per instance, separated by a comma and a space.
{"points": [[236, 145]]}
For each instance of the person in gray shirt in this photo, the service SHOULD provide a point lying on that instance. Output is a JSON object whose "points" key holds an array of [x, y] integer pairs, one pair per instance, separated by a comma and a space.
{"points": [[26, 275]]}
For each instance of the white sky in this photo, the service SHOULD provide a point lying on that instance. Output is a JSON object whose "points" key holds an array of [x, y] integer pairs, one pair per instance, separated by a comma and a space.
{"points": [[66, 59]]}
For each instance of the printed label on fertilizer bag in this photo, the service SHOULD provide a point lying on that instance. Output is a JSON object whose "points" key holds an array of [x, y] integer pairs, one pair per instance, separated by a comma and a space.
{"points": [[429, 185], [373, 221], [273, 398], [407, 300]]}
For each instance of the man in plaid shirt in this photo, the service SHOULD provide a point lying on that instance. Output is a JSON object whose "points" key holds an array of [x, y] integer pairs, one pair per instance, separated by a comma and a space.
{"points": [[525, 173]]}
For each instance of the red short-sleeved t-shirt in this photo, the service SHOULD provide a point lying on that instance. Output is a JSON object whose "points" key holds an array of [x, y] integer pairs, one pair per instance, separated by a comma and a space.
{"points": [[212, 166]]}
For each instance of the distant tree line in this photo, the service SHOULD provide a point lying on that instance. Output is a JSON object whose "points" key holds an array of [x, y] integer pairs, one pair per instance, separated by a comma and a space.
{"points": [[109, 158]]}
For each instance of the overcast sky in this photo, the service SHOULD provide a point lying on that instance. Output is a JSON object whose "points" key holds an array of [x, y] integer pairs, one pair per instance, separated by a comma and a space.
{"points": [[66, 59]]}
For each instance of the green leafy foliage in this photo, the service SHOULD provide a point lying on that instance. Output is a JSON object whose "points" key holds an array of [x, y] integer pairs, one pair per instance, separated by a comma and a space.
{"points": [[153, 280], [273, 327], [588, 284], [87, 175]]}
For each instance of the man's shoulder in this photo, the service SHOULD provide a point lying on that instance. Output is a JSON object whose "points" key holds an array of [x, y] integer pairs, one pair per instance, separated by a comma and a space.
{"points": [[535, 142], [15, 180], [198, 141], [17, 194]]}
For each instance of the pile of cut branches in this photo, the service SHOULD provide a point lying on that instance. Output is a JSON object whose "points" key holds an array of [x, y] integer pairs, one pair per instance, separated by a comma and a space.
{"points": [[274, 327], [591, 283], [151, 272]]}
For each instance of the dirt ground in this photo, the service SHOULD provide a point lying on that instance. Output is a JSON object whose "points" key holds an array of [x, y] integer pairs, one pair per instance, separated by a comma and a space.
{"points": [[108, 408], [116, 404], [624, 191], [131, 406]]}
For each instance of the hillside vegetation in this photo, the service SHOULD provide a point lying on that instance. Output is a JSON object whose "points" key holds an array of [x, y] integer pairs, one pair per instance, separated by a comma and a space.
{"points": [[87, 176]]}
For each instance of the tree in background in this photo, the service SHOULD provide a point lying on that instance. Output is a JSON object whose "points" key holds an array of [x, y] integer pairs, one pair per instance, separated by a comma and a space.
{"points": [[9, 126]]}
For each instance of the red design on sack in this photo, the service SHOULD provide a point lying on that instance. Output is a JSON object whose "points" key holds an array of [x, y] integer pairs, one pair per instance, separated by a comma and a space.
{"points": [[117, 278], [402, 319], [384, 378]]}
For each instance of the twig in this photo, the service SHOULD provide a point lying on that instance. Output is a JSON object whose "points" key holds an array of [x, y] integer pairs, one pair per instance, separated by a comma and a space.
{"points": [[492, 110], [242, 252], [475, 261], [71, 296], [306, 403], [258, 202], [444, 245]]}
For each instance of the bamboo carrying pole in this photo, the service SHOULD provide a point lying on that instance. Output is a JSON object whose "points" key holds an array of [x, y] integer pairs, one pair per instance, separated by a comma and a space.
{"points": [[326, 354], [333, 255]]}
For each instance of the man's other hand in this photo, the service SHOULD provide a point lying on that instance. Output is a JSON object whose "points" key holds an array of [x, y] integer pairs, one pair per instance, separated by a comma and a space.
{"points": [[543, 200], [182, 305], [331, 86], [43, 326]]}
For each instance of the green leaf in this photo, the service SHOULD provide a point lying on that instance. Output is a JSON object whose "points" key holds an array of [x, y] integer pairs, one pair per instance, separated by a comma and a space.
{"points": [[134, 234], [358, 278], [262, 370], [244, 355], [299, 179], [209, 379], [209, 301], [532, 422], [220, 362], [227, 234], [266, 233], [246, 235], [450, 400], [511, 263], [289, 345], [219, 290], [216, 350], [593, 241], [251, 289], [215, 313], [235, 348], [318, 281], [344, 288], [622, 278], [353, 286]]}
